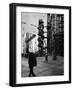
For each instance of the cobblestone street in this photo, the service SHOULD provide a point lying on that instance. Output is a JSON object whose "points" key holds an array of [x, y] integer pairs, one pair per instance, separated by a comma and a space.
{"points": [[43, 68]]}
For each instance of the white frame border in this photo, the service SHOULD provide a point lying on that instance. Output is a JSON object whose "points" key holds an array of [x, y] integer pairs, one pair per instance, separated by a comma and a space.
{"points": [[20, 80]]}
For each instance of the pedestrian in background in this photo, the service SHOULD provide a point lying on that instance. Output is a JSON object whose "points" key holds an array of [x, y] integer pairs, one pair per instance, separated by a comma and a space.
{"points": [[32, 63]]}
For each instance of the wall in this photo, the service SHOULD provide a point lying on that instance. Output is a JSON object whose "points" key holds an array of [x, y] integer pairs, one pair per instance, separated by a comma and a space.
{"points": [[4, 44]]}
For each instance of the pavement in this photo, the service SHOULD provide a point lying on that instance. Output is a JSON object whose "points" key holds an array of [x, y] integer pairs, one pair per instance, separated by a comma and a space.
{"points": [[44, 68]]}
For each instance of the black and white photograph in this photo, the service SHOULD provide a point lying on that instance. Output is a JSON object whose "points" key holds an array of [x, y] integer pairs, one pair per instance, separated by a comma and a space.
{"points": [[40, 44]]}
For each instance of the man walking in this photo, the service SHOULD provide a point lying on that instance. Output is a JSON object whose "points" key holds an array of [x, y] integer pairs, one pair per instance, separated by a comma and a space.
{"points": [[32, 63]]}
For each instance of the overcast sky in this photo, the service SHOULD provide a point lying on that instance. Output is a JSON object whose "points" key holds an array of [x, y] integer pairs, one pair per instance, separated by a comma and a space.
{"points": [[32, 18]]}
